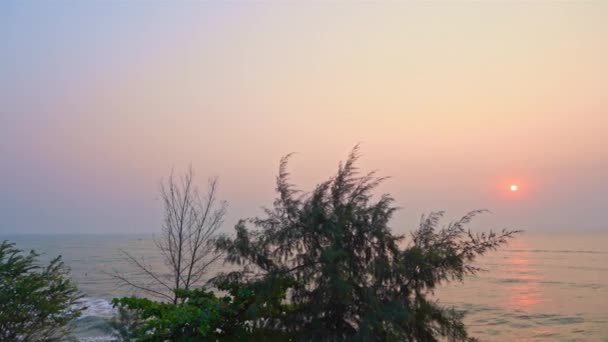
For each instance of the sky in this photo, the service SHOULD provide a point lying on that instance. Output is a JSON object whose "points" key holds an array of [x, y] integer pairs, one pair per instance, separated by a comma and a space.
{"points": [[455, 101]]}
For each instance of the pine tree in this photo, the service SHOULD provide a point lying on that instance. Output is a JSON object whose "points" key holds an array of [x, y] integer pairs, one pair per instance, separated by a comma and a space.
{"points": [[329, 263]]}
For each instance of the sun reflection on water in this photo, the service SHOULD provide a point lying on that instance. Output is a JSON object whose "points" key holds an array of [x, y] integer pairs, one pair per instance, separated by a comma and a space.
{"points": [[524, 293]]}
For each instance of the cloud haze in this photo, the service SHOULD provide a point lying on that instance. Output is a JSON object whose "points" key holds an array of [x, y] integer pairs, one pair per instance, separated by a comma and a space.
{"points": [[98, 101]]}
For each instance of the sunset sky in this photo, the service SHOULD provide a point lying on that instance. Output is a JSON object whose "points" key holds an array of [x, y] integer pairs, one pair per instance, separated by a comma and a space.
{"points": [[456, 102]]}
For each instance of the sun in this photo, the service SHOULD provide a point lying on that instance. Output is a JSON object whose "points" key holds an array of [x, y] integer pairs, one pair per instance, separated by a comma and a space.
{"points": [[513, 187]]}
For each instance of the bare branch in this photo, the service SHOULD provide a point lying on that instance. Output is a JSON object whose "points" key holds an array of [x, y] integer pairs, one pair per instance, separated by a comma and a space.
{"points": [[189, 226]]}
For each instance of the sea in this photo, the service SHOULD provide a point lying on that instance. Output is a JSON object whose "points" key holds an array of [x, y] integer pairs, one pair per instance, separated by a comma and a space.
{"points": [[541, 287]]}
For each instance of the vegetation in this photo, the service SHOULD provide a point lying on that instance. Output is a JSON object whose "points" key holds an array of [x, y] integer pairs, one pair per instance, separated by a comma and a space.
{"points": [[325, 266], [186, 242], [126, 324], [200, 315], [36, 303]]}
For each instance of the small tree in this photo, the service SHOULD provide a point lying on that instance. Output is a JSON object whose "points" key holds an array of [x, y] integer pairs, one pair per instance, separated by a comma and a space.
{"points": [[347, 277], [186, 242], [36, 303]]}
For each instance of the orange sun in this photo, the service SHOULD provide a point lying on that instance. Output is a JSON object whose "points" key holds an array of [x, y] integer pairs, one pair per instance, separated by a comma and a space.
{"points": [[513, 188]]}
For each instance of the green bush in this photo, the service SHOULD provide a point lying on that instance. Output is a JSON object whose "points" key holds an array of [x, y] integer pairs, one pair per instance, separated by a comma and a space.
{"points": [[198, 315], [36, 303]]}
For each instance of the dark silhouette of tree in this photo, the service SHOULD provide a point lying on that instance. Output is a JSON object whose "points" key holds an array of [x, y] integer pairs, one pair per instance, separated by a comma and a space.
{"points": [[37, 303], [191, 221], [329, 264]]}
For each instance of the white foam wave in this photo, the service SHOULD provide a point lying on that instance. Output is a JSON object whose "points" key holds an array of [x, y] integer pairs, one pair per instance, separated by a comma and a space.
{"points": [[97, 339], [98, 307]]}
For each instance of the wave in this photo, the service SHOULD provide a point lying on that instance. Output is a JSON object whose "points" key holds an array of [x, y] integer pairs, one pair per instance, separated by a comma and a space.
{"points": [[594, 286], [97, 307], [575, 251], [106, 338], [93, 323]]}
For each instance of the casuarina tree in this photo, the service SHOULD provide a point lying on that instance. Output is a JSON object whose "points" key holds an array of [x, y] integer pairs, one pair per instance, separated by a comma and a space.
{"points": [[329, 263]]}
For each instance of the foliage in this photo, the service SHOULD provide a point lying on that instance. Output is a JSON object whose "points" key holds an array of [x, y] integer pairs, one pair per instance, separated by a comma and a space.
{"points": [[126, 325], [36, 303], [198, 315], [341, 274], [325, 265]]}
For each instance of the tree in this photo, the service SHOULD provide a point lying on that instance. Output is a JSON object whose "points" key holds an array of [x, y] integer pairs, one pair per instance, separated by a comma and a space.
{"points": [[186, 241], [345, 274], [36, 303]]}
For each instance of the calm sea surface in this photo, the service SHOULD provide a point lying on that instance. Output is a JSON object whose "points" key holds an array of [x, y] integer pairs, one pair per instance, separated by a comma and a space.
{"points": [[542, 287]]}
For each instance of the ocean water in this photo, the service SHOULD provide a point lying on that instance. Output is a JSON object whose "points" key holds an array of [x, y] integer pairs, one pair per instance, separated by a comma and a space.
{"points": [[541, 287]]}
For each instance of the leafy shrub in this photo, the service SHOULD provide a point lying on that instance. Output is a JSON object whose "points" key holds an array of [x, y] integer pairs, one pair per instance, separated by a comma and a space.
{"points": [[36, 303]]}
